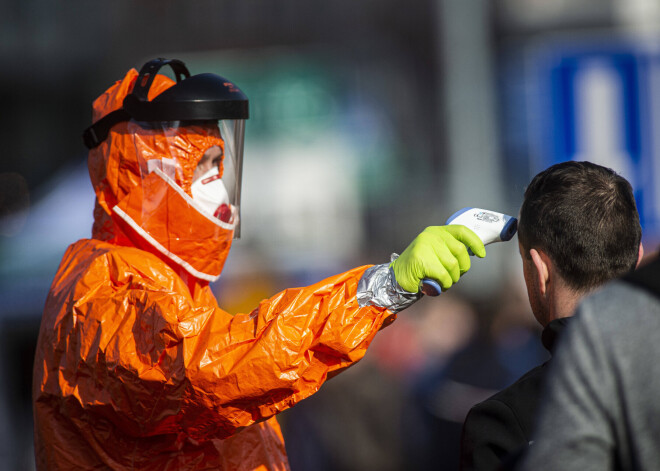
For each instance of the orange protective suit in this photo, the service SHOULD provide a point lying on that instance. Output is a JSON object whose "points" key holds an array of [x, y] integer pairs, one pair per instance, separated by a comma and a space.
{"points": [[136, 366]]}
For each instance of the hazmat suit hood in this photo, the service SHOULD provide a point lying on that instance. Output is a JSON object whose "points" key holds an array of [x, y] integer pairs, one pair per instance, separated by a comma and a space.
{"points": [[142, 175]]}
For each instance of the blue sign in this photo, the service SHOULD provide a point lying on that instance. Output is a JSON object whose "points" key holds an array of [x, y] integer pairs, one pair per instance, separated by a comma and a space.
{"points": [[600, 104]]}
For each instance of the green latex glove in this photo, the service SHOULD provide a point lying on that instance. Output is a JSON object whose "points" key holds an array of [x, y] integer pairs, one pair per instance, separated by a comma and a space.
{"points": [[440, 253]]}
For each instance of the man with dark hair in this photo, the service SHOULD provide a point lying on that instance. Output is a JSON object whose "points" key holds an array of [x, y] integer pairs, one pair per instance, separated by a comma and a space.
{"points": [[578, 228]]}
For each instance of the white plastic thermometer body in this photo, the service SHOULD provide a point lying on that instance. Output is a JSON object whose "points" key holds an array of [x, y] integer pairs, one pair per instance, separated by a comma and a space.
{"points": [[490, 226]]}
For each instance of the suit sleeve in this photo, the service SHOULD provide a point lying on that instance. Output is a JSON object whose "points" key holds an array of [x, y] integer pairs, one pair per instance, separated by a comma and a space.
{"points": [[252, 366], [491, 431], [137, 351]]}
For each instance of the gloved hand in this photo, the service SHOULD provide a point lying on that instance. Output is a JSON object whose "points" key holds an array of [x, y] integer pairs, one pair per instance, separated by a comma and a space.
{"points": [[439, 253]]}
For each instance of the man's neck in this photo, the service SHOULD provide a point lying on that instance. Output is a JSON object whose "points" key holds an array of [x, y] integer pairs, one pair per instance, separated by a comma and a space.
{"points": [[563, 302]]}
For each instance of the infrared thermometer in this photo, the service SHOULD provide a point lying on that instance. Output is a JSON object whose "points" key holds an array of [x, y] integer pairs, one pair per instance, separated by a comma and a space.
{"points": [[490, 226]]}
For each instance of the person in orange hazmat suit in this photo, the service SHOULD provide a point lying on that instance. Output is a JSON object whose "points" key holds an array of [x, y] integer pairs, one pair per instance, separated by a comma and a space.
{"points": [[136, 365]]}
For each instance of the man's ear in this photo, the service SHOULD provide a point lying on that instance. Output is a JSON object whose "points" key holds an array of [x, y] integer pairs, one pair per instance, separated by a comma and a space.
{"points": [[542, 264], [641, 254]]}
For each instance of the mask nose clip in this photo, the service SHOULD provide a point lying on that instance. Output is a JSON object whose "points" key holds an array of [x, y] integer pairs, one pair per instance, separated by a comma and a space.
{"points": [[211, 179]]}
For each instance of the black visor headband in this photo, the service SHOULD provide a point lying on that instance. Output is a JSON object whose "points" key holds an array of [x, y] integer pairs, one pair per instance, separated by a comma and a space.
{"points": [[199, 97]]}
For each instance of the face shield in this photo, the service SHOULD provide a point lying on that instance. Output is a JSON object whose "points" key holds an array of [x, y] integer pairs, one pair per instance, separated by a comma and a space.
{"points": [[191, 133], [203, 158], [217, 178]]}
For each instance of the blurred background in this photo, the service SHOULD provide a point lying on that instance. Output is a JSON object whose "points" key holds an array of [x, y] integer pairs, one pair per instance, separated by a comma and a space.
{"points": [[369, 121]]}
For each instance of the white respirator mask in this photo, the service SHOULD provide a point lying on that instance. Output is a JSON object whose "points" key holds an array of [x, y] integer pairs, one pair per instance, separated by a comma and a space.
{"points": [[209, 192]]}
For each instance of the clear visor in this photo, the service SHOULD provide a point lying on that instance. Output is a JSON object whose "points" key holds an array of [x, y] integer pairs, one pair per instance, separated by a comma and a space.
{"points": [[203, 158]]}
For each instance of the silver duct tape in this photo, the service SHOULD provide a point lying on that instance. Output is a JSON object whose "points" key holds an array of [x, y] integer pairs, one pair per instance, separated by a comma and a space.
{"points": [[378, 287]]}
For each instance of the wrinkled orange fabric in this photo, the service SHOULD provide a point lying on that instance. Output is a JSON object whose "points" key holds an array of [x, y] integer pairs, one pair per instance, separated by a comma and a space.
{"points": [[136, 365]]}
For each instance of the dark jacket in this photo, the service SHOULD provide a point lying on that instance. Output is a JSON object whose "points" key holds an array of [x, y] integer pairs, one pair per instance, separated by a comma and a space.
{"points": [[502, 424]]}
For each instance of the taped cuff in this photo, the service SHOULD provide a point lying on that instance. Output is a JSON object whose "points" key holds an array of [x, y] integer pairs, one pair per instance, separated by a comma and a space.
{"points": [[378, 287]]}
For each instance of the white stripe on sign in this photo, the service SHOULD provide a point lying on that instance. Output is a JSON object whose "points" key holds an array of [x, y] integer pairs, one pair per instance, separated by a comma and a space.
{"points": [[599, 110]]}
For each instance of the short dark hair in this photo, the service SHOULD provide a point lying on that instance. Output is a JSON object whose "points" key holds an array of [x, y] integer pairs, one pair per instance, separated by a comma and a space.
{"points": [[584, 217]]}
